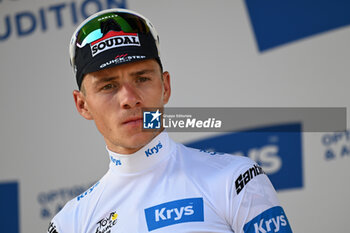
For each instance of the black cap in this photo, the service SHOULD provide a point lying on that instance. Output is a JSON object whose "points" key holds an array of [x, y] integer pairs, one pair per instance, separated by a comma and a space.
{"points": [[113, 46]]}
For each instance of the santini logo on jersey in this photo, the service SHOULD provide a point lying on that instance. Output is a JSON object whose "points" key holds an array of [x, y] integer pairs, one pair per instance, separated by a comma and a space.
{"points": [[271, 220], [170, 213], [52, 228], [244, 178], [153, 150], [112, 40]]}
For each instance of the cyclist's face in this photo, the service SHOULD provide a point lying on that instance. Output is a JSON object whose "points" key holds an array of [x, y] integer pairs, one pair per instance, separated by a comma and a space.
{"points": [[114, 97]]}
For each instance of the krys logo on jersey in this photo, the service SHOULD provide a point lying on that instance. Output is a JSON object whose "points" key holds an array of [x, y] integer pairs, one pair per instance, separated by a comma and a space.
{"points": [[174, 212], [271, 220], [51, 202], [154, 150], [277, 149]]}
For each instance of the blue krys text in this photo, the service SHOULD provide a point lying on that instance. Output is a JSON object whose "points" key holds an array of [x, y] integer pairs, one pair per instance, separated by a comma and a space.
{"points": [[117, 162], [271, 220], [87, 191], [174, 212], [153, 150], [27, 22]]}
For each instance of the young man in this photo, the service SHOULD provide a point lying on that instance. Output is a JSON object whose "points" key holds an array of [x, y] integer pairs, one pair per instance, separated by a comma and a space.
{"points": [[153, 184]]}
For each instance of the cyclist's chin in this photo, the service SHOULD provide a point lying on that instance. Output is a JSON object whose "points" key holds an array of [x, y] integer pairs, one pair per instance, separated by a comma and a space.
{"points": [[140, 139], [130, 141]]}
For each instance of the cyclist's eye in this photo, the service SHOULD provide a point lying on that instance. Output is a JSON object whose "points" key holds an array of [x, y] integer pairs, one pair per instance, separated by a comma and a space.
{"points": [[142, 79], [108, 86]]}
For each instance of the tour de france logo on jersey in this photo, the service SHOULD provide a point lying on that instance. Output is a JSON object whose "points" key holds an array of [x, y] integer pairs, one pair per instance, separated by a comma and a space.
{"points": [[152, 119], [105, 224]]}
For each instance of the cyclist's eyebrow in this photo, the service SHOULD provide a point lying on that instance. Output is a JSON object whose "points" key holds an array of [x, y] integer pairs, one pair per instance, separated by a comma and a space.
{"points": [[142, 72], [104, 79]]}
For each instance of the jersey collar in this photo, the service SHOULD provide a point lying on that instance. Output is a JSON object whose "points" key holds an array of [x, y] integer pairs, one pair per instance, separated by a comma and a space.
{"points": [[144, 159]]}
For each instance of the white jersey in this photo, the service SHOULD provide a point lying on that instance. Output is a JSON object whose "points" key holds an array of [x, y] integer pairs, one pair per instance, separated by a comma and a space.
{"points": [[167, 187]]}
